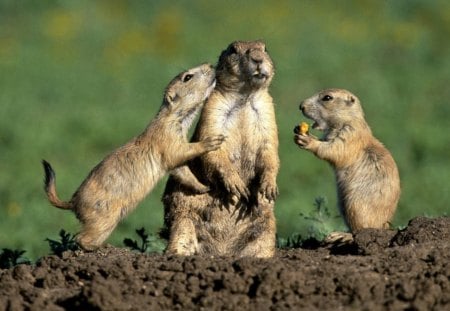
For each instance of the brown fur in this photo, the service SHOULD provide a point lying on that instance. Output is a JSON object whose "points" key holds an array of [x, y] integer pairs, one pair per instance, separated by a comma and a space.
{"points": [[368, 183], [118, 183], [236, 217]]}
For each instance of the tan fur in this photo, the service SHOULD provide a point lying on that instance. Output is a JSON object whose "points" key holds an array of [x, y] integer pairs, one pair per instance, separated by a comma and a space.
{"points": [[368, 183], [236, 217], [118, 183]]}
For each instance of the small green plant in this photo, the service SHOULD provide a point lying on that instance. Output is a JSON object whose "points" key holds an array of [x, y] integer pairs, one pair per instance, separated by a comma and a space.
{"points": [[320, 220], [10, 258], [318, 223], [400, 227], [321, 212], [66, 242], [293, 241], [148, 243], [133, 244]]}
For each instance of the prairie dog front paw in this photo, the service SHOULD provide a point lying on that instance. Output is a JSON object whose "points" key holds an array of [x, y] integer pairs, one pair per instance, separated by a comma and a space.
{"points": [[212, 143], [236, 187], [304, 141]]}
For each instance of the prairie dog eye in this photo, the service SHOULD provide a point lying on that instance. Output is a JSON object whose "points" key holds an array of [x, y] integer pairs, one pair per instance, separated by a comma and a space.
{"points": [[327, 98], [232, 50], [187, 77]]}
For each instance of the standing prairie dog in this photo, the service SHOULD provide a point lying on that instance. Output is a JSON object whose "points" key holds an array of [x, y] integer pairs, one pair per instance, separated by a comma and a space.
{"points": [[367, 178], [118, 183], [236, 217]]}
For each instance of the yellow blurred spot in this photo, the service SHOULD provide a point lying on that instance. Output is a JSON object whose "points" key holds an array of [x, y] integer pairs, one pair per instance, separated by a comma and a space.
{"points": [[114, 11], [132, 42], [13, 209], [162, 37], [61, 24], [352, 30], [168, 27], [406, 34], [8, 47], [128, 44]]}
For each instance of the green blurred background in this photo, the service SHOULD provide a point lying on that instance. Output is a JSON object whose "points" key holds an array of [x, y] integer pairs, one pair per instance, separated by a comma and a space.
{"points": [[80, 78]]}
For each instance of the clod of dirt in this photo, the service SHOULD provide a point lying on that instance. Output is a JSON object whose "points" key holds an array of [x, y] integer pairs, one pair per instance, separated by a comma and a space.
{"points": [[424, 230], [408, 269], [373, 241]]}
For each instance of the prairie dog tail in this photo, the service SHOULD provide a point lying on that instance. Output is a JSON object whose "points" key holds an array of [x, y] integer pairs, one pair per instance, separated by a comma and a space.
{"points": [[50, 187]]}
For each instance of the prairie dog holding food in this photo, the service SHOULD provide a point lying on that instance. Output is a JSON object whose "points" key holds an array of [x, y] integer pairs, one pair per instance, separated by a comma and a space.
{"points": [[118, 183], [367, 179], [236, 217]]}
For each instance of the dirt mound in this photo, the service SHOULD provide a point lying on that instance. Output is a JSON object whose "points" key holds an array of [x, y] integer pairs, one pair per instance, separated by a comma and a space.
{"points": [[389, 270]]}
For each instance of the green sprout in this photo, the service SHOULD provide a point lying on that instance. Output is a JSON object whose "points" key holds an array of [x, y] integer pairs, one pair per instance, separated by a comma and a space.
{"points": [[10, 258], [66, 242], [148, 242]]}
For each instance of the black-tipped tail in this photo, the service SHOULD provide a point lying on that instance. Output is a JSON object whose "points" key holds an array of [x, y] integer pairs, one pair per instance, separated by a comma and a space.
{"points": [[49, 175], [50, 187]]}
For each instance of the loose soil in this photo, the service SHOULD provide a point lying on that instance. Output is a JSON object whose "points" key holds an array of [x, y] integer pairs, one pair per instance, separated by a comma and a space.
{"points": [[407, 269]]}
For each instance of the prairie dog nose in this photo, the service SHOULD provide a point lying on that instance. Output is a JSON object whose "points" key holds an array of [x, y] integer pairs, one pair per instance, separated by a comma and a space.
{"points": [[302, 106]]}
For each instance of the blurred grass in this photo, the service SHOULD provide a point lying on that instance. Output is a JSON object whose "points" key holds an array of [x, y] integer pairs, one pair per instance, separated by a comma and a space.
{"points": [[79, 78]]}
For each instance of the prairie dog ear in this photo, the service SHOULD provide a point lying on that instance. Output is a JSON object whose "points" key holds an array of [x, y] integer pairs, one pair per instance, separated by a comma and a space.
{"points": [[351, 100], [171, 97]]}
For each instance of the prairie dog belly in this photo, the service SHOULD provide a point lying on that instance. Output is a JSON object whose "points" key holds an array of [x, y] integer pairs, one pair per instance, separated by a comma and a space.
{"points": [[247, 136]]}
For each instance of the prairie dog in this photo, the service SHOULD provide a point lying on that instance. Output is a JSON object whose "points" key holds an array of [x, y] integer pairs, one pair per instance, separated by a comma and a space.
{"points": [[123, 178], [367, 179], [236, 217]]}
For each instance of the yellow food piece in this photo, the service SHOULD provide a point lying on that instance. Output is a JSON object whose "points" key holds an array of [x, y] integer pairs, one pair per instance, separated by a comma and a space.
{"points": [[304, 127]]}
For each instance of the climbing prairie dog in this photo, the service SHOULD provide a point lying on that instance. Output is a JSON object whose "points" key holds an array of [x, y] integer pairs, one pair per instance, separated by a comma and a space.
{"points": [[118, 183], [367, 178], [236, 217]]}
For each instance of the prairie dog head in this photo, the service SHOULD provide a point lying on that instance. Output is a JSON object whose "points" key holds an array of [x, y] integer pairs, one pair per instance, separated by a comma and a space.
{"points": [[245, 64], [186, 93], [332, 108]]}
